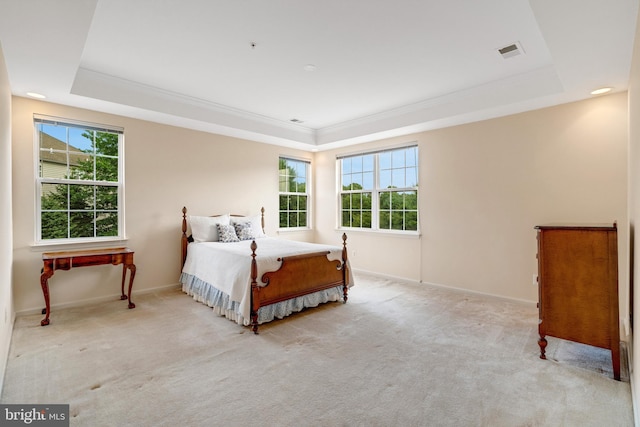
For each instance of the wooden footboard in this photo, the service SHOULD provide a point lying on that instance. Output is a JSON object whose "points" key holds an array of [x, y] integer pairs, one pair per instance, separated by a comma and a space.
{"points": [[297, 276]]}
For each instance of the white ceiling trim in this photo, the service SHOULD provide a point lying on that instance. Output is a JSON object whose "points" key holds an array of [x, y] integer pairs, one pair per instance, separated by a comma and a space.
{"points": [[97, 85], [455, 107]]}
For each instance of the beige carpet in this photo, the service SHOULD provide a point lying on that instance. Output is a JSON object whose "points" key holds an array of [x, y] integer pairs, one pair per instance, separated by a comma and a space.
{"points": [[396, 354]]}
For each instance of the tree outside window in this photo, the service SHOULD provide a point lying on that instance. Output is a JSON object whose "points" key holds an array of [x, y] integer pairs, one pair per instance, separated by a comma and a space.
{"points": [[379, 190], [79, 182], [293, 193]]}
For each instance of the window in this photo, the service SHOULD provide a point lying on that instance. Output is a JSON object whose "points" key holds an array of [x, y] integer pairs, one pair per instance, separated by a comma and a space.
{"points": [[379, 190], [79, 181], [294, 193]]}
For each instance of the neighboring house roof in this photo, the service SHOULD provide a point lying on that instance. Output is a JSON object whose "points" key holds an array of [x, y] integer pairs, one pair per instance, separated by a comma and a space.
{"points": [[55, 151]]}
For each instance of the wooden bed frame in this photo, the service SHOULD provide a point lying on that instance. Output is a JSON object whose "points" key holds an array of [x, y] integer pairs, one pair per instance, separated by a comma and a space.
{"points": [[297, 276]]}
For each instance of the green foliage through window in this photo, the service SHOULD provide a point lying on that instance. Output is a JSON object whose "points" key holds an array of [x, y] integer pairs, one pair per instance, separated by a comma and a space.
{"points": [[78, 181], [380, 190], [294, 197]]}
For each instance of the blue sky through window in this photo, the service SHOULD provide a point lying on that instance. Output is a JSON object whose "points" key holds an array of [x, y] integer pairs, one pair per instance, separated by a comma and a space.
{"points": [[75, 138]]}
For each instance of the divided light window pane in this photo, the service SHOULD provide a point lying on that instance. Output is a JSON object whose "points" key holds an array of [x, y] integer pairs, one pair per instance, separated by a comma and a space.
{"points": [[293, 193], [79, 180], [379, 190]]}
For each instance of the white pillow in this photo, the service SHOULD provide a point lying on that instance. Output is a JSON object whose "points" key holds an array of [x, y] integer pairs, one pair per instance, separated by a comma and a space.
{"points": [[204, 229], [255, 221]]}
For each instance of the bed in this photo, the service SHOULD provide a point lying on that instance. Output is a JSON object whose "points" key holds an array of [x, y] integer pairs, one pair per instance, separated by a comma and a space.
{"points": [[231, 265]]}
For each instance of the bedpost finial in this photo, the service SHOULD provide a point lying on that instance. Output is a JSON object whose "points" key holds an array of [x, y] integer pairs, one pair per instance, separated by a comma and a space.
{"points": [[344, 247], [184, 221]]}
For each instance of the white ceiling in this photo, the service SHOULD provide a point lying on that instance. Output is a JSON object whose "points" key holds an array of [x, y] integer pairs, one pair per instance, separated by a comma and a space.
{"points": [[382, 68]]}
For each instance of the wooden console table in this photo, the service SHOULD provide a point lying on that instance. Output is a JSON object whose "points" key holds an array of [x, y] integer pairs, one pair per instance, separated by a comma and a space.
{"points": [[85, 258]]}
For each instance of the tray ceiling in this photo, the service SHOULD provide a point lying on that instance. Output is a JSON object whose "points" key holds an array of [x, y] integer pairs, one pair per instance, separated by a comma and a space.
{"points": [[316, 75]]}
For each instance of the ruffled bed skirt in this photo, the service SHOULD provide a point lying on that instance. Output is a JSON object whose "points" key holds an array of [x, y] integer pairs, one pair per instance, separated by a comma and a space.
{"points": [[222, 305]]}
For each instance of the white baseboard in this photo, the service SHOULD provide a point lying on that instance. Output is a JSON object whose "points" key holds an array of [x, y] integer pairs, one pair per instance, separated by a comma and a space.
{"points": [[4, 358], [438, 285], [92, 301], [634, 390]]}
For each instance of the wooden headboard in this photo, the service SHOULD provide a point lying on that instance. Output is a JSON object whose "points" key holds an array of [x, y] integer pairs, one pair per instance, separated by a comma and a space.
{"points": [[185, 240]]}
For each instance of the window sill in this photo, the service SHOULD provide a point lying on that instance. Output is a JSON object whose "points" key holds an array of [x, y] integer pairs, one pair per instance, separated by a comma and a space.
{"points": [[385, 233], [102, 243], [293, 230]]}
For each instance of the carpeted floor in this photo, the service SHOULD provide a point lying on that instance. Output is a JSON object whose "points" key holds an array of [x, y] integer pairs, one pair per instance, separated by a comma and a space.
{"points": [[397, 354]]}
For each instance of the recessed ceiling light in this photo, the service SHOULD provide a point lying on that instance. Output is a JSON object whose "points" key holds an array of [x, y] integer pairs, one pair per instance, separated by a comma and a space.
{"points": [[36, 95], [309, 67], [601, 91], [296, 121]]}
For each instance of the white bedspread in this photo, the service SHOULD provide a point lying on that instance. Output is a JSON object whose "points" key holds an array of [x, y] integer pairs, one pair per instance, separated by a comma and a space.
{"points": [[227, 266]]}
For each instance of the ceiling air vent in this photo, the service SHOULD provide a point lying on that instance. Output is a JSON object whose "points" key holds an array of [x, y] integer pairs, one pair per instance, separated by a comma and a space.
{"points": [[510, 51]]}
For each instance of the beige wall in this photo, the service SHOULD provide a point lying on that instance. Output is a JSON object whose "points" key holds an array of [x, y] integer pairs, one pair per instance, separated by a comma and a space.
{"points": [[634, 209], [6, 250], [165, 168], [483, 188]]}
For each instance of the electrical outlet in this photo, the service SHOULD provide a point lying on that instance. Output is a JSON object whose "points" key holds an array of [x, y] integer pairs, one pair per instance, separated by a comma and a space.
{"points": [[535, 280]]}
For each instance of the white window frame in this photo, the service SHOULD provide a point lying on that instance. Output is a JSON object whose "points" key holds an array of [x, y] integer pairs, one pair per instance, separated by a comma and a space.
{"points": [[375, 191], [40, 181], [307, 193]]}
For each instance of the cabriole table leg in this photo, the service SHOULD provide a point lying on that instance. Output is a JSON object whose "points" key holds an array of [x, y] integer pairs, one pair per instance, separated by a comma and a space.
{"points": [[44, 283], [132, 274]]}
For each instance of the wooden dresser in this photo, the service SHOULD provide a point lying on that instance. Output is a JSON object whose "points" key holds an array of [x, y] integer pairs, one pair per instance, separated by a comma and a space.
{"points": [[578, 287]]}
